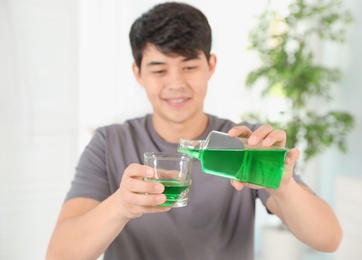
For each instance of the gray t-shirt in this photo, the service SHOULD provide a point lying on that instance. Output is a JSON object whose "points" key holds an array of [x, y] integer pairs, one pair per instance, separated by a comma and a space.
{"points": [[217, 223]]}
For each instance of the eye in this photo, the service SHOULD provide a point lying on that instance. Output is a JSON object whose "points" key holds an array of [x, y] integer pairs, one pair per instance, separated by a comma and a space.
{"points": [[190, 68], [158, 72]]}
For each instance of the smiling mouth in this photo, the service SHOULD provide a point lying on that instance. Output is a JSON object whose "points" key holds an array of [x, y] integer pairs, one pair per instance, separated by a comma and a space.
{"points": [[176, 101]]}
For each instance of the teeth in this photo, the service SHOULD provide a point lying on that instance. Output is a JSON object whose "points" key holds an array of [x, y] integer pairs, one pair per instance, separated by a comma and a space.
{"points": [[176, 100]]}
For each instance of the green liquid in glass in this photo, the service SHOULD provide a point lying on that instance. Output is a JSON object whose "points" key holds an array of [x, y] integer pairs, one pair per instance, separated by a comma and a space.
{"points": [[255, 166], [175, 191]]}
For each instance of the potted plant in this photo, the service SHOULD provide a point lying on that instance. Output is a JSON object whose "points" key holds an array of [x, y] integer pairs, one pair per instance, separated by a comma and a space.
{"points": [[289, 68]]}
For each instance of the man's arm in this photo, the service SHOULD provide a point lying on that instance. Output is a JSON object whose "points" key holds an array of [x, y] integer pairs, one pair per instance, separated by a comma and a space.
{"points": [[86, 227], [307, 216]]}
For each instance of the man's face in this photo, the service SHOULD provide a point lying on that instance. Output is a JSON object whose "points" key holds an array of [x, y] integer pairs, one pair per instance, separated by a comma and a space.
{"points": [[176, 86]]}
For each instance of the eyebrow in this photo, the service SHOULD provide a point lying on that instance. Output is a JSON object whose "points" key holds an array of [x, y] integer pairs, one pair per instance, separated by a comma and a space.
{"points": [[193, 57], [155, 63]]}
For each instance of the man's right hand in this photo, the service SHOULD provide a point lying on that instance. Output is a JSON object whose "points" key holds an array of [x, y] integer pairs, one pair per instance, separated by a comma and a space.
{"points": [[138, 196]]}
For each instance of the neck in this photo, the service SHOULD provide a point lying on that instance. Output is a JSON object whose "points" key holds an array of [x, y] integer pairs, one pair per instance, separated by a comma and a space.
{"points": [[173, 131]]}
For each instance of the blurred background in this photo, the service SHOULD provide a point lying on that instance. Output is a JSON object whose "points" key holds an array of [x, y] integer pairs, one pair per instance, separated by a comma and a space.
{"points": [[65, 69]]}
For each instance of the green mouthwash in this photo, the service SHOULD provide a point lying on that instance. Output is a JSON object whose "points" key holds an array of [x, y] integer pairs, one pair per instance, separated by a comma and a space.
{"points": [[257, 165]]}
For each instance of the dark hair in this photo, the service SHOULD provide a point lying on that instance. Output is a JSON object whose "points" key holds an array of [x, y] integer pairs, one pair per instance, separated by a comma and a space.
{"points": [[173, 28]]}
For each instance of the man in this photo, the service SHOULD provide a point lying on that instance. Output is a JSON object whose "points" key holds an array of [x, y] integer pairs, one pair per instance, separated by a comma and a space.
{"points": [[111, 209]]}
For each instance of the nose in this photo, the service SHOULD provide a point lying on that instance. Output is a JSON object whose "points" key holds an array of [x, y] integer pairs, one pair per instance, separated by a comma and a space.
{"points": [[175, 80]]}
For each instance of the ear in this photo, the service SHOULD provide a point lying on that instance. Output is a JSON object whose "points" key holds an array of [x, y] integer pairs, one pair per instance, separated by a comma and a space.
{"points": [[212, 64], [137, 73]]}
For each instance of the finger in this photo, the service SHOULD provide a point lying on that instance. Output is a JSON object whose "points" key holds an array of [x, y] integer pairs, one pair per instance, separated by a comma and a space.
{"points": [[148, 200], [137, 211], [260, 134], [237, 184], [138, 170], [292, 156], [156, 209], [142, 186], [239, 131], [277, 137]]}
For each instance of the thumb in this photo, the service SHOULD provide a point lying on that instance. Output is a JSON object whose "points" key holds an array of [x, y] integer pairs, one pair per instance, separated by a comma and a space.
{"points": [[292, 157]]}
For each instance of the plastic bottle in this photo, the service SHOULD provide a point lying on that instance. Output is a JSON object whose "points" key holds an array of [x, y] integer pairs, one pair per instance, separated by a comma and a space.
{"points": [[234, 158]]}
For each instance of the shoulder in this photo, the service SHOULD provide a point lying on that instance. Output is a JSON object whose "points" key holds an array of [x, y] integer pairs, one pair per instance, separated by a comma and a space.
{"points": [[131, 133], [127, 126]]}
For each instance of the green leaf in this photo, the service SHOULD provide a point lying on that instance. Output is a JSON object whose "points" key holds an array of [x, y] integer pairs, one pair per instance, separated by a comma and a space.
{"points": [[289, 68]]}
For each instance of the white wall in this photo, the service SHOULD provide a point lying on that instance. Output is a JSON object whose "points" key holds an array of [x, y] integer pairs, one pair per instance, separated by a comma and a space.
{"points": [[343, 171], [347, 97], [38, 120]]}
